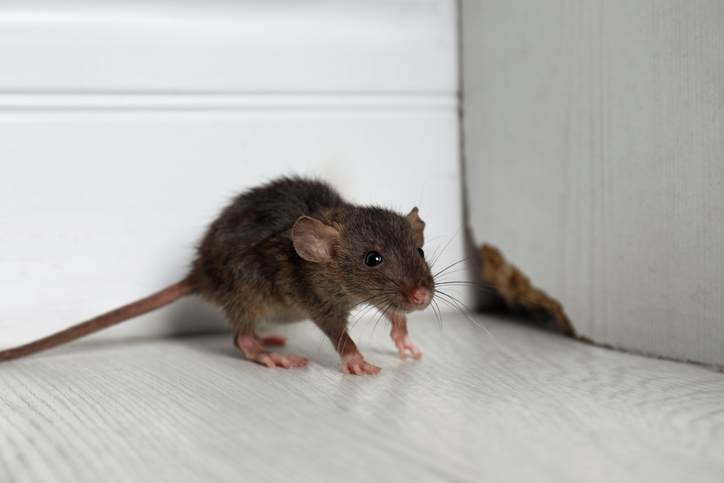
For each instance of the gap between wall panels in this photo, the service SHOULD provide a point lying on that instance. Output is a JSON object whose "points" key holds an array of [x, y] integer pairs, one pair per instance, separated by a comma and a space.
{"points": [[499, 283]]}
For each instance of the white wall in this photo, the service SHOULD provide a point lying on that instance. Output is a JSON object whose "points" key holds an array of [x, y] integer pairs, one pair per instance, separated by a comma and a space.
{"points": [[125, 128], [595, 141]]}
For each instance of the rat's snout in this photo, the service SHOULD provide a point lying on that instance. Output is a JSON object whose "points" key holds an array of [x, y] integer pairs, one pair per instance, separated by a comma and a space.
{"points": [[420, 296]]}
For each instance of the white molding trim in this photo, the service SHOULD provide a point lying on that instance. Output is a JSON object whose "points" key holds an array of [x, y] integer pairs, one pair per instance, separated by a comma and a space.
{"points": [[220, 102], [252, 46]]}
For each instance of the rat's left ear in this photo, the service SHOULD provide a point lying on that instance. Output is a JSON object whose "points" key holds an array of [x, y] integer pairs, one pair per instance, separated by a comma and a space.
{"points": [[417, 226], [313, 240]]}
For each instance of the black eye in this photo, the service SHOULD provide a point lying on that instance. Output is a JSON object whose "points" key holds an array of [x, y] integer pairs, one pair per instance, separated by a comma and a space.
{"points": [[373, 259], [422, 254]]}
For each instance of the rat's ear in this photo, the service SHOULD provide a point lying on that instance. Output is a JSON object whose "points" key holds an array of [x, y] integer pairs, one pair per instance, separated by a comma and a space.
{"points": [[417, 226], [313, 240]]}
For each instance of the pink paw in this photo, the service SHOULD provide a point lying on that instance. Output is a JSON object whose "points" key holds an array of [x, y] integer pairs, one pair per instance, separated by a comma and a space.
{"points": [[251, 346], [287, 361], [356, 364], [403, 343]]}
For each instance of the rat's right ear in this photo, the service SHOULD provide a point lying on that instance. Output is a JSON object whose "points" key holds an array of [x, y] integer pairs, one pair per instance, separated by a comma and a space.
{"points": [[418, 226], [313, 240]]}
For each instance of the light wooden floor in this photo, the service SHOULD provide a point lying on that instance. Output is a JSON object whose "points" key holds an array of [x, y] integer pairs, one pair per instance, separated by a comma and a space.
{"points": [[523, 405]]}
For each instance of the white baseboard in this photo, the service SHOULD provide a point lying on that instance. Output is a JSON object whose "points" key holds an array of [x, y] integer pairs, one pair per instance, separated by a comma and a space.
{"points": [[125, 128]]}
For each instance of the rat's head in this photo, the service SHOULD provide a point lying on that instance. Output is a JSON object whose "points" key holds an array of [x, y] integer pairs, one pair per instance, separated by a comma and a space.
{"points": [[374, 254]]}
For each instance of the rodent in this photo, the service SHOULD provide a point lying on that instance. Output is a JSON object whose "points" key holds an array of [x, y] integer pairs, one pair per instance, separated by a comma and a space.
{"points": [[294, 249]]}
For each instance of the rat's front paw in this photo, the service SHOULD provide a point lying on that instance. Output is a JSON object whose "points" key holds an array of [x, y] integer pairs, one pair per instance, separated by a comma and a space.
{"points": [[356, 364], [403, 343]]}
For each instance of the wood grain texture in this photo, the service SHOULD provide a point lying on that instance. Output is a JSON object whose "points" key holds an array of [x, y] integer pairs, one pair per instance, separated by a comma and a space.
{"points": [[594, 145], [515, 405]]}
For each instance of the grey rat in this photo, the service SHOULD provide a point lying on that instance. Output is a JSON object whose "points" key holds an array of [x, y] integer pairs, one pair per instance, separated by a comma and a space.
{"points": [[294, 249]]}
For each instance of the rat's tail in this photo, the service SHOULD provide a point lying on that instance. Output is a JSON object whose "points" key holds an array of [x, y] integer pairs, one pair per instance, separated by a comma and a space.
{"points": [[153, 302]]}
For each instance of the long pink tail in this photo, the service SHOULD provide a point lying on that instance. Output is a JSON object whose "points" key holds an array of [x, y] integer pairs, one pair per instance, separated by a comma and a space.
{"points": [[148, 304]]}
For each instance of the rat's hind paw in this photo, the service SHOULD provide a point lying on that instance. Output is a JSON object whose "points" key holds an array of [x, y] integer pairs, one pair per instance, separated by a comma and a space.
{"points": [[356, 364], [287, 361], [403, 342], [251, 346]]}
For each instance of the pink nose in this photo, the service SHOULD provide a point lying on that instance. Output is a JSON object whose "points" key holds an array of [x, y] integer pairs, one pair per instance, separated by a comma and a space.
{"points": [[420, 295]]}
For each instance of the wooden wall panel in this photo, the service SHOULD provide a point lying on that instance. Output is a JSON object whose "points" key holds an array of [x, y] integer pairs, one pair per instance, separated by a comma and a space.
{"points": [[595, 148], [124, 129]]}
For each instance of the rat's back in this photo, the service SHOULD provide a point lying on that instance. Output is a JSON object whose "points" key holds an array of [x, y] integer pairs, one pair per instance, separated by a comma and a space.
{"points": [[273, 208], [250, 239]]}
